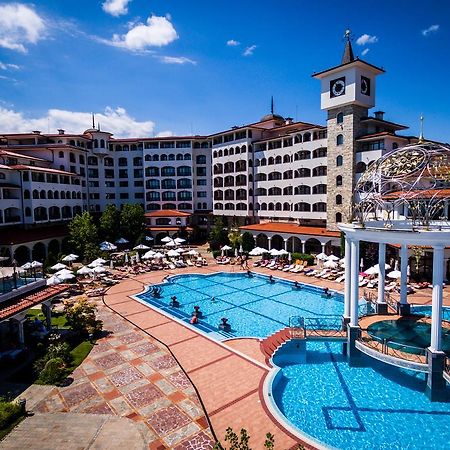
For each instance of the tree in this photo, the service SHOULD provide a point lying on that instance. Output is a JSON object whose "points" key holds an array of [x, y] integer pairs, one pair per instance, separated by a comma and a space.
{"points": [[110, 223], [80, 316], [235, 238], [132, 222], [248, 241], [83, 235], [218, 235]]}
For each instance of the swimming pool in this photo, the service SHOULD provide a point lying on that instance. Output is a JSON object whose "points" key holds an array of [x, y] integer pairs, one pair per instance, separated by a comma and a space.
{"points": [[371, 406], [254, 306], [426, 311]]}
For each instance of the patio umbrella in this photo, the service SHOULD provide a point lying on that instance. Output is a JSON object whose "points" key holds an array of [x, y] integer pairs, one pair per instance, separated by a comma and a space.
{"points": [[166, 239], [122, 241], [148, 255], [99, 269], [148, 238], [330, 264], [84, 270], [58, 266], [394, 274], [171, 243], [63, 272], [138, 260], [241, 250], [99, 261], [70, 258], [282, 252], [172, 253], [322, 257], [376, 269], [36, 264], [54, 280], [274, 252], [66, 276], [26, 266], [255, 252], [192, 252], [226, 247], [179, 240], [107, 246], [126, 258], [111, 264], [141, 247], [158, 255], [332, 258]]}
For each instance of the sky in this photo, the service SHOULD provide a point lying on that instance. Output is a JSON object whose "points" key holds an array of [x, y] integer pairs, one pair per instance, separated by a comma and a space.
{"points": [[157, 68]]}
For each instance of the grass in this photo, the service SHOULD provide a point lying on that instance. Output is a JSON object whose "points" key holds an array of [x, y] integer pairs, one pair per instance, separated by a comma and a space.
{"points": [[58, 318], [80, 352], [8, 429]]}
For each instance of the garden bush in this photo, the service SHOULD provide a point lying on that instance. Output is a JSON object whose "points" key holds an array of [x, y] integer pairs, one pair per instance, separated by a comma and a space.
{"points": [[9, 412], [54, 372], [303, 257]]}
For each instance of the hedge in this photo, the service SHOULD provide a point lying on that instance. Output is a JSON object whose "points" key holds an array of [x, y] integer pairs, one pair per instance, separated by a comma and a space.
{"points": [[9, 412]]}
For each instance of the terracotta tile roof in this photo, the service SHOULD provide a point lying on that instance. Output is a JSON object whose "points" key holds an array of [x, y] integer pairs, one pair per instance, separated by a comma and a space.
{"points": [[42, 169], [280, 227], [426, 193], [20, 155], [158, 229], [167, 213], [16, 235], [367, 137], [12, 307]]}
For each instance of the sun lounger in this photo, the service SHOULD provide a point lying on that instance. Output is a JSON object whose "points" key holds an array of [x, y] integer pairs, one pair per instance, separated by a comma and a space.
{"points": [[288, 268]]}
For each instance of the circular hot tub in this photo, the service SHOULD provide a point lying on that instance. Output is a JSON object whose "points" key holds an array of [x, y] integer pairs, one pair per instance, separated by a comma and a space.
{"points": [[409, 335]]}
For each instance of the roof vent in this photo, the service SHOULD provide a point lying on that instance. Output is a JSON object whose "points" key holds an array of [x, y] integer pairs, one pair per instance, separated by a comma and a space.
{"points": [[61, 131], [379, 115], [36, 132]]}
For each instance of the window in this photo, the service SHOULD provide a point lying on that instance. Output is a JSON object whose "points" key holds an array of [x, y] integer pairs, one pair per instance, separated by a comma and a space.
{"points": [[123, 173], [92, 161], [151, 145], [123, 162], [320, 152], [137, 161], [338, 217], [153, 184], [139, 183], [123, 184], [184, 195], [339, 180], [339, 160], [201, 171], [93, 184], [340, 118], [138, 173], [360, 167], [168, 184], [153, 196], [320, 189], [81, 159], [201, 159], [152, 172], [168, 171], [109, 173], [202, 182], [184, 171], [167, 144], [92, 173], [340, 139], [303, 190], [374, 145], [202, 194], [184, 144], [320, 207], [339, 199], [184, 183], [110, 184], [124, 196], [61, 154]]}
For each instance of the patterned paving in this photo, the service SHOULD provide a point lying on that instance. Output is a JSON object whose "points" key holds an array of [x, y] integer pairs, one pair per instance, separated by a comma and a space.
{"points": [[128, 374]]}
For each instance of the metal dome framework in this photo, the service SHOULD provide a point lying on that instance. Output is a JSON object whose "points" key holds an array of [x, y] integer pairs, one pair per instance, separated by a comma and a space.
{"points": [[415, 178]]}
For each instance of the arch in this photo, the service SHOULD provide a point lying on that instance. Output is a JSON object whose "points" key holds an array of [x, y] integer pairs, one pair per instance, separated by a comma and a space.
{"points": [[286, 159], [278, 159], [360, 167], [339, 199], [320, 189], [275, 176], [320, 207], [339, 160], [278, 206], [302, 207], [40, 213], [229, 180], [179, 157], [277, 242], [39, 252], [54, 213], [26, 194], [54, 247], [275, 190], [294, 244], [271, 207], [42, 194], [22, 255], [169, 206], [229, 206], [340, 118], [288, 190], [262, 241], [66, 212], [154, 158], [303, 189], [340, 139], [339, 180], [286, 206], [338, 217], [218, 206], [241, 206], [241, 180], [319, 171], [35, 194], [313, 245]]}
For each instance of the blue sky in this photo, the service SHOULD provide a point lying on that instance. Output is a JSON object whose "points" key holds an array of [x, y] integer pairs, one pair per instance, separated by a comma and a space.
{"points": [[151, 67]]}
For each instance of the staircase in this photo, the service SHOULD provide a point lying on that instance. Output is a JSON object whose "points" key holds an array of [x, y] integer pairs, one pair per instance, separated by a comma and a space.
{"points": [[273, 342]]}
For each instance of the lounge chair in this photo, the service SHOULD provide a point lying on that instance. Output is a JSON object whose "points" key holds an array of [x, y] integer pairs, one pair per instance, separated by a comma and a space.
{"points": [[288, 268]]}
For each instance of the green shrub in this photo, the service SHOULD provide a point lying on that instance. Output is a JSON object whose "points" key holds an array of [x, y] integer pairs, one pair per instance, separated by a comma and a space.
{"points": [[303, 257], [9, 412], [81, 316], [54, 372], [216, 253]]}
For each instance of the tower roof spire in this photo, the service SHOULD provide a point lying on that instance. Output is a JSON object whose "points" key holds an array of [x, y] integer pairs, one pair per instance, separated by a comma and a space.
{"points": [[93, 121], [348, 55], [271, 105], [421, 138]]}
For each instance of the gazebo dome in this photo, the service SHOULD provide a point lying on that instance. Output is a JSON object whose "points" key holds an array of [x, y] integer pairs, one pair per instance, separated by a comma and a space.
{"points": [[411, 183]]}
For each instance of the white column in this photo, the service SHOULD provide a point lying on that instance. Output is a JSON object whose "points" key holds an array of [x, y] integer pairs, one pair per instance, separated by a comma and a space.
{"points": [[323, 246], [21, 333], [436, 308], [303, 246], [269, 240], [354, 282], [285, 244], [347, 292], [382, 274], [404, 272]]}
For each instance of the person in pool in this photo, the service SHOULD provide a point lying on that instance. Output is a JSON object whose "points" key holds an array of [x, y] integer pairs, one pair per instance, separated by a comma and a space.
{"points": [[271, 280], [213, 299], [194, 318], [326, 292], [249, 273]]}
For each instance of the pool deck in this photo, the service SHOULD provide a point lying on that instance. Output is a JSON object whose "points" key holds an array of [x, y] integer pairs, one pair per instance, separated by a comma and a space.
{"points": [[228, 376]]}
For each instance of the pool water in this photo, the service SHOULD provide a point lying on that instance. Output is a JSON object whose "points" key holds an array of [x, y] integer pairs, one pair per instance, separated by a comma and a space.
{"points": [[409, 332], [372, 406], [254, 306], [426, 311]]}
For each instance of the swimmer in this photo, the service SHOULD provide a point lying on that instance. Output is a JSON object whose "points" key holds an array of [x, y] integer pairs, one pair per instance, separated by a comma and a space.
{"points": [[271, 280], [213, 299], [326, 292], [296, 284], [249, 273], [194, 318]]}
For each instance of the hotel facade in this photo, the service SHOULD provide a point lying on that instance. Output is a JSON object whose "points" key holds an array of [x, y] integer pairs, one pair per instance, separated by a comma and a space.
{"points": [[289, 183]]}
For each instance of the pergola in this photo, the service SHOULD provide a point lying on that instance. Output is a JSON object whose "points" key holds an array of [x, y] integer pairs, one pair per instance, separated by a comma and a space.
{"points": [[408, 219]]}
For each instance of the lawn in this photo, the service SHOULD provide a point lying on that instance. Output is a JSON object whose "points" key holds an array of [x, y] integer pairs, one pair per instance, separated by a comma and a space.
{"points": [[80, 352], [58, 318]]}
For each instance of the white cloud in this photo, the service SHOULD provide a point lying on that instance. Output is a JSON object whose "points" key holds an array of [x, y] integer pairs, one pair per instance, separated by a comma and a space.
{"points": [[116, 7], [166, 133], [366, 39], [157, 32], [249, 50], [430, 29], [115, 120], [20, 25], [233, 43], [6, 66], [177, 60], [365, 51]]}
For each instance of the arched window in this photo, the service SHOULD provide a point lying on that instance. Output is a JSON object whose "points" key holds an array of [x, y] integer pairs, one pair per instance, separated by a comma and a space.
{"points": [[340, 139], [179, 157], [155, 158], [102, 143], [338, 217], [61, 154], [319, 207], [339, 160], [340, 118], [26, 194], [339, 199], [339, 180]]}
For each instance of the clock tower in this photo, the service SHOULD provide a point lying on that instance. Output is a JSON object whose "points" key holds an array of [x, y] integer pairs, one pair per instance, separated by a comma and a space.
{"points": [[347, 94]]}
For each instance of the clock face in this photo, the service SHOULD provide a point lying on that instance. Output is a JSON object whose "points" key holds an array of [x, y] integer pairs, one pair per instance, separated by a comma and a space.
{"points": [[337, 87], [365, 85]]}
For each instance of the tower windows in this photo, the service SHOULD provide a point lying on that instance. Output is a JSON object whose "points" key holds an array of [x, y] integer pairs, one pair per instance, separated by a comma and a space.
{"points": [[340, 118], [339, 180], [339, 160], [338, 217], [338, 199], [340, 139]]}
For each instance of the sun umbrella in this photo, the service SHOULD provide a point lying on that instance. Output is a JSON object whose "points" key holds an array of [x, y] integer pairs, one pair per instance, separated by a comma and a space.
{"points": [[99, 269], [36, 264], [66, 276], [158, 255], [322, 257], [171, 244], [330, 264], [58, 266], [141, 247], [107, 246], [179, 240], [376, 269], [172, 253], [394, 274], [26, 266], [122, 241], [166, 239], [84, 270], [126, 258], [99, 261], [282, 252], [148, 255], [148, 238], [332, 258], [138, 260], [70, 258], [226, 247], [192, 252], [63, 272], [54, 280], [255, 252], [275, 252]]}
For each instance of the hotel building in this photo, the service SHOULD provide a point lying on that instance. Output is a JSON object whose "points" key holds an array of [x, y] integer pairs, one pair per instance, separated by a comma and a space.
{"points": [[287, 182]]}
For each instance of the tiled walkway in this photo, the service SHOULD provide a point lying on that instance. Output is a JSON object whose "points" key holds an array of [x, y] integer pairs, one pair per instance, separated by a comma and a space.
{"points": [[130, 375]]}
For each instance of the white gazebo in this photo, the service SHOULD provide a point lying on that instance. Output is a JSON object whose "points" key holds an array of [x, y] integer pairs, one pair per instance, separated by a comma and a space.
{"points": [[401, 200]]}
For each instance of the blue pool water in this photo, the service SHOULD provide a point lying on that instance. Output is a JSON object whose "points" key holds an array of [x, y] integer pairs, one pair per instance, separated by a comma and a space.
{"points": [[372, 406], [254, 307], [426, 311]]}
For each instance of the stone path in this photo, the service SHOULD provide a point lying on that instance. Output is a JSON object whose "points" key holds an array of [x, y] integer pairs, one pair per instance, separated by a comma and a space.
{"points": [[130, 375]]}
